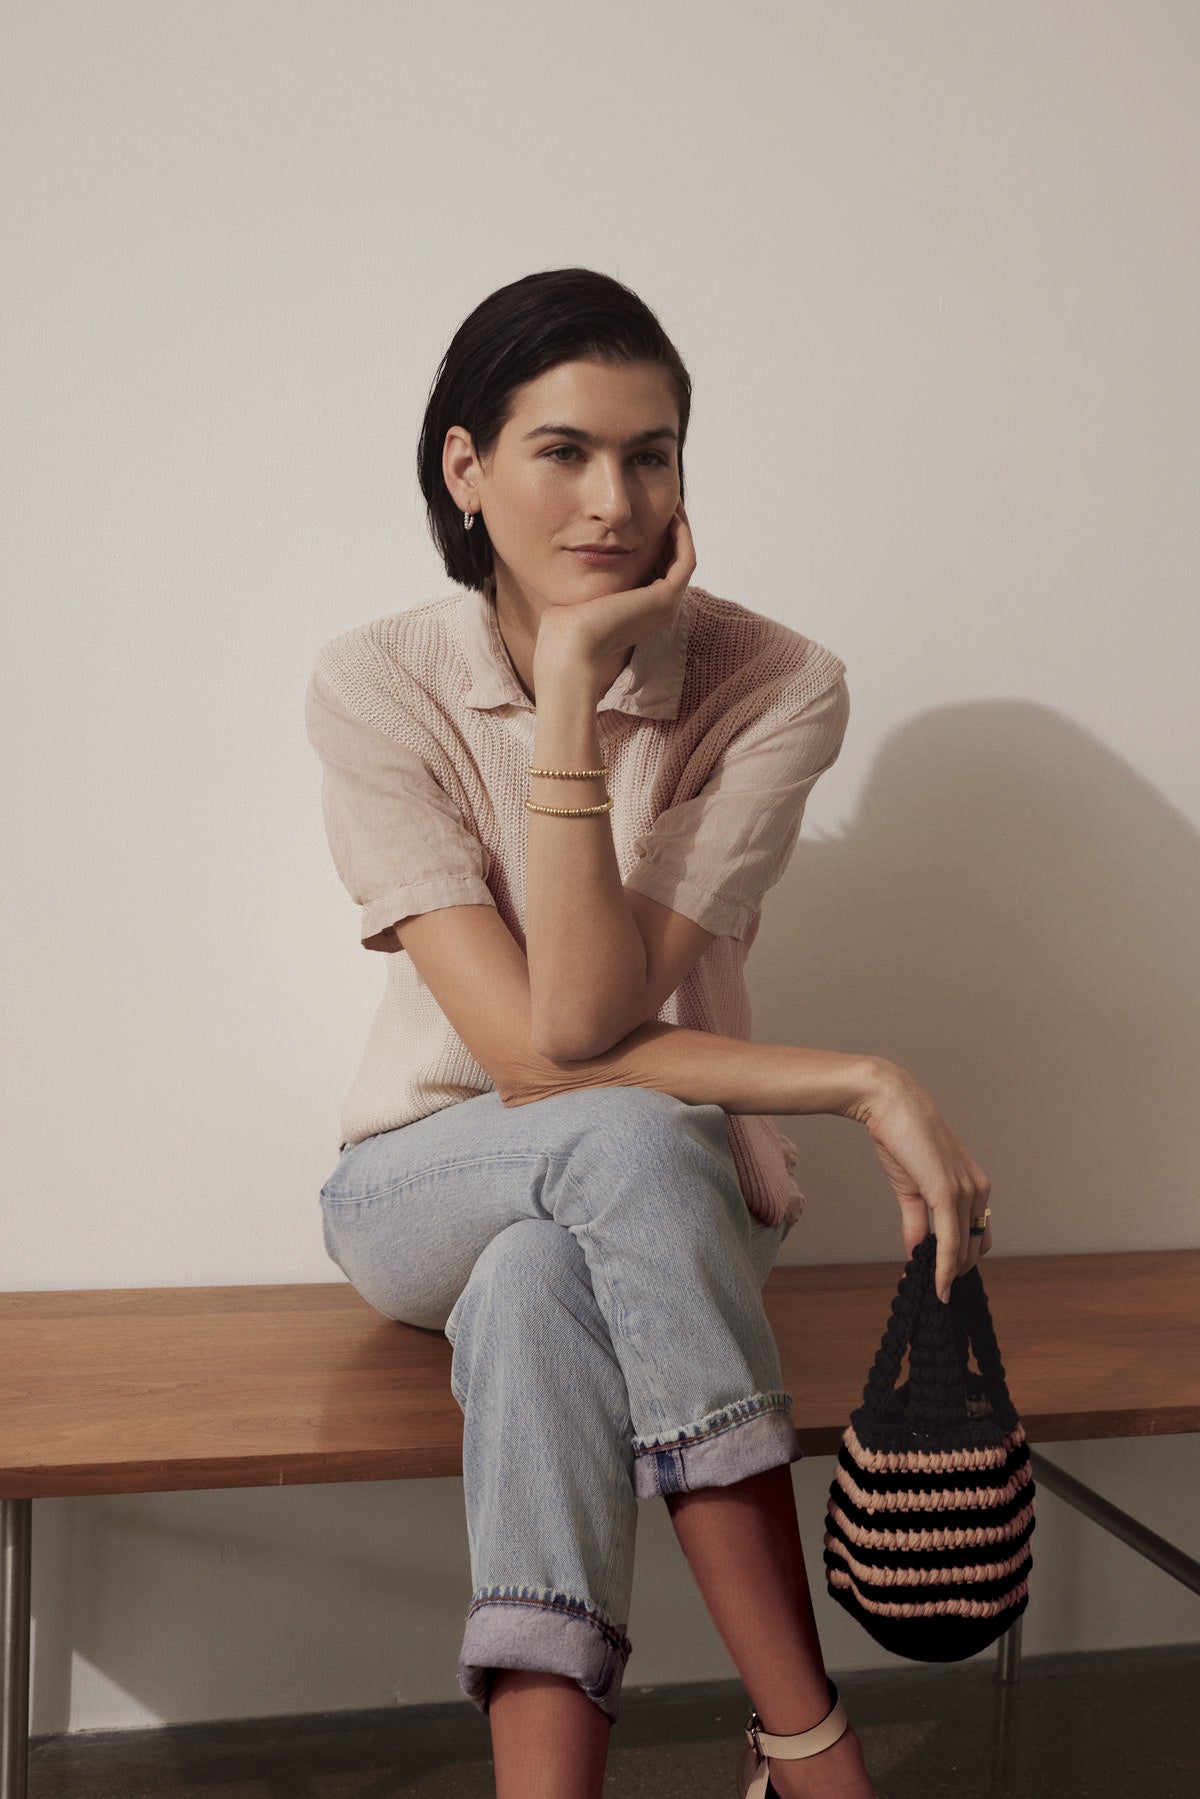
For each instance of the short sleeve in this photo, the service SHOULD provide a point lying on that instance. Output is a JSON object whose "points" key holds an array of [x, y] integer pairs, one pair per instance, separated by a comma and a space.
{"points": [[399, 842], [715, 856]]}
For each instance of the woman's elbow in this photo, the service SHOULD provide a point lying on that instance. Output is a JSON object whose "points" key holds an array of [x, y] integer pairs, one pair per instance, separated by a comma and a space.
{"points": [[550, 1065], [569, 1041], [536, 1076], [567, 1047], [541, 1064]]}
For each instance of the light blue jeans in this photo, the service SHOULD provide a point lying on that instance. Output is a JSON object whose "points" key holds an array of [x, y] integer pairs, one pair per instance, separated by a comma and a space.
{"points": [[593, 1262]]}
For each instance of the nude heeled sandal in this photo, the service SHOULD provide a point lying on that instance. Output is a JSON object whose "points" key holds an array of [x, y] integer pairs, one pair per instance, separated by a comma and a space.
{"points": [[754, 1774]]}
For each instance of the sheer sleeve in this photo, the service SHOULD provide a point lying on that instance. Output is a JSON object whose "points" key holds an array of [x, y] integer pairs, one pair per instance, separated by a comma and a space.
{"points": [[399, 842], [715, 856]]}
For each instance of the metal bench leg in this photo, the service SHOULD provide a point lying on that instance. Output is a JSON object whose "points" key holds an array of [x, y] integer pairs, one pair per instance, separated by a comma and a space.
{"points": [[1008, 1654], [16, 1566], [1093, 1505], [1101, 1511]]}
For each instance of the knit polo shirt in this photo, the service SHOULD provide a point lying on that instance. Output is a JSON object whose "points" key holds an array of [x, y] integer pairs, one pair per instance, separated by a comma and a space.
{"points": [[714, 734]]}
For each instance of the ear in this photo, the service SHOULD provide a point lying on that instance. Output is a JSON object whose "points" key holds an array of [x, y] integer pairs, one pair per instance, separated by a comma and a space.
{"points": [[458, 462]]}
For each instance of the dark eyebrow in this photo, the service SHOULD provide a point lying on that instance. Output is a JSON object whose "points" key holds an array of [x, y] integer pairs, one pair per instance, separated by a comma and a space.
{"points": [[597, 443]]}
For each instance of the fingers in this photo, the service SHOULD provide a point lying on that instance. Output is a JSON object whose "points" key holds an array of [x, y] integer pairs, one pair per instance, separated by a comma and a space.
{"points": [[957, 1250], [978, 1208], [915, 1223], [971, 1243], [683, 561], [939, 1187], [947, 1256]]}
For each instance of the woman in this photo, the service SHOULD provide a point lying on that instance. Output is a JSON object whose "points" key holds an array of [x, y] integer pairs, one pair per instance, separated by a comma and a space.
{"points": [[559, 800]]}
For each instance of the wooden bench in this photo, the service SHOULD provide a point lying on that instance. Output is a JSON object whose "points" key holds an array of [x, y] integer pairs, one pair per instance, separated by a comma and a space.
{"points": [[156, 1390]]}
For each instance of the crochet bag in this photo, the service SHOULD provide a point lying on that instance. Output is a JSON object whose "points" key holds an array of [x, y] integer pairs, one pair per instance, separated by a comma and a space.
{"points": [[931, 1509]]}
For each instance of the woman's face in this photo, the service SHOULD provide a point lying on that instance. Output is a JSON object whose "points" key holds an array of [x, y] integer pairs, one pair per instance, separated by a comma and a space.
{"points": [[544, 491]]}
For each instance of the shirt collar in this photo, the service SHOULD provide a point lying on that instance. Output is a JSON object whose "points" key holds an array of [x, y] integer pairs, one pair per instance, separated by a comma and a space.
{"points": [[649, 686]]}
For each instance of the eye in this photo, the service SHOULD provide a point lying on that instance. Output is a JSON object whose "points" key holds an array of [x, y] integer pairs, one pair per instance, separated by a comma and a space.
{"points": [[656, 456]]}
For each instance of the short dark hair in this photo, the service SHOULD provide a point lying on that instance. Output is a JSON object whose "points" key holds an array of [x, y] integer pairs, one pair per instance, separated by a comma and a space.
{"points": [[515, 335]]}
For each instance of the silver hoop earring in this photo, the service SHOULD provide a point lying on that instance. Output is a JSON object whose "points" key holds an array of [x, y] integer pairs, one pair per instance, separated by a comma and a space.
{"points": [[468, 520]]}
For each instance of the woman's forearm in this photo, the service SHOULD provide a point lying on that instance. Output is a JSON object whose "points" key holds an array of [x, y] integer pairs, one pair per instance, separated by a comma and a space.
{"points": [[705, 1069], [573, 890], [938, 1185]]}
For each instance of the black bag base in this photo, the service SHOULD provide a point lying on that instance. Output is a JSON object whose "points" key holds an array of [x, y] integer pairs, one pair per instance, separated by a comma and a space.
{"points": [[941, 1639]]}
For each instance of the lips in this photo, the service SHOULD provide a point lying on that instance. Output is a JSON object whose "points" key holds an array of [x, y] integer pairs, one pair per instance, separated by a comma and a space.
{"points": [[601, 558]]}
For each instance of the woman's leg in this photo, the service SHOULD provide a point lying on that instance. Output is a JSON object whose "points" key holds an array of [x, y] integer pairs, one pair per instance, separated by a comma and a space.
{"points": [[646, 1186], [548, 1740], [742, 1543], [715, 1434], [552, 1517], [551, 1511]]}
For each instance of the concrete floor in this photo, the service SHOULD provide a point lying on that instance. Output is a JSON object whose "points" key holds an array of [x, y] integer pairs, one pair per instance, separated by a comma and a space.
{"points": [[1117, 1725]]}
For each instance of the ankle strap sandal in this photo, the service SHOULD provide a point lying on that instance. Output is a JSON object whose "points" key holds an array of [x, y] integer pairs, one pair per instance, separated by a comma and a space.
{"points": [[754, 1775]]}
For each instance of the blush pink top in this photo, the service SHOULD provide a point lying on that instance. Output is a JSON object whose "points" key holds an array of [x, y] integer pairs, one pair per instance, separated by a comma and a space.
{"points": [[714, 734]]}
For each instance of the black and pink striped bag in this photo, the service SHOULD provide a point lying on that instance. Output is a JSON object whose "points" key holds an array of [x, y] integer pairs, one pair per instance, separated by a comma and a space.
{"points": [[931, 1508]]}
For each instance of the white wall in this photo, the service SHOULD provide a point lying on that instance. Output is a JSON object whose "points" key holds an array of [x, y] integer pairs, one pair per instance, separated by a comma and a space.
{"points": [[935, 271]]}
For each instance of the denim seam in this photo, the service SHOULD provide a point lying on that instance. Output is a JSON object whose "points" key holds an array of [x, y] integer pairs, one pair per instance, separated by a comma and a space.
{"points": [[615, 1546], [563, 1168], [580, 1232], [584, 1230], [776, 1400], [435, 1168], [729, 1418], [575, 1608]]}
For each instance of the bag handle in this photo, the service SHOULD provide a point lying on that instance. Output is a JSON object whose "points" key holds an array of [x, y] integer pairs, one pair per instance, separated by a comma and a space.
{"points": [[879, 1392], [940, 1337], [937, 1388], [977, 1320]]}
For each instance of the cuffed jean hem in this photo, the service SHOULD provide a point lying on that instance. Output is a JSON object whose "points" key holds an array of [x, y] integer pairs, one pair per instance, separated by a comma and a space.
{"points": [[725, 1446], [547, 1633]]}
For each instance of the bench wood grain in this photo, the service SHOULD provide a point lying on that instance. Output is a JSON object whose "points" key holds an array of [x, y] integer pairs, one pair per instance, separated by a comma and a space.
{"points": [[143, 1390]]}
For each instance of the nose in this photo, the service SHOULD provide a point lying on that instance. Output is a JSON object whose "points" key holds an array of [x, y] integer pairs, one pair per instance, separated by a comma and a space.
{"points": [[608, 494]]}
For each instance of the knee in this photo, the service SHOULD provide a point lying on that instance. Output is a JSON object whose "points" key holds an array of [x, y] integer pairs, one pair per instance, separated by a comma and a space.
{"points": [[528, 1267], [669, 1150], [636, 1120], [518, 1315]]}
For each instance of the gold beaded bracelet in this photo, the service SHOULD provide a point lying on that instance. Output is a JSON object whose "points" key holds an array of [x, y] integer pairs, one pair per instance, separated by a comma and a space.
{"points": [[569, 774], [571, 811]]}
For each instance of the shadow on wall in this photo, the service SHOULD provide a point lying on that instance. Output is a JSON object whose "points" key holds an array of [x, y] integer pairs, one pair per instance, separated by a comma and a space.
{"points": [[1014, 916]]}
